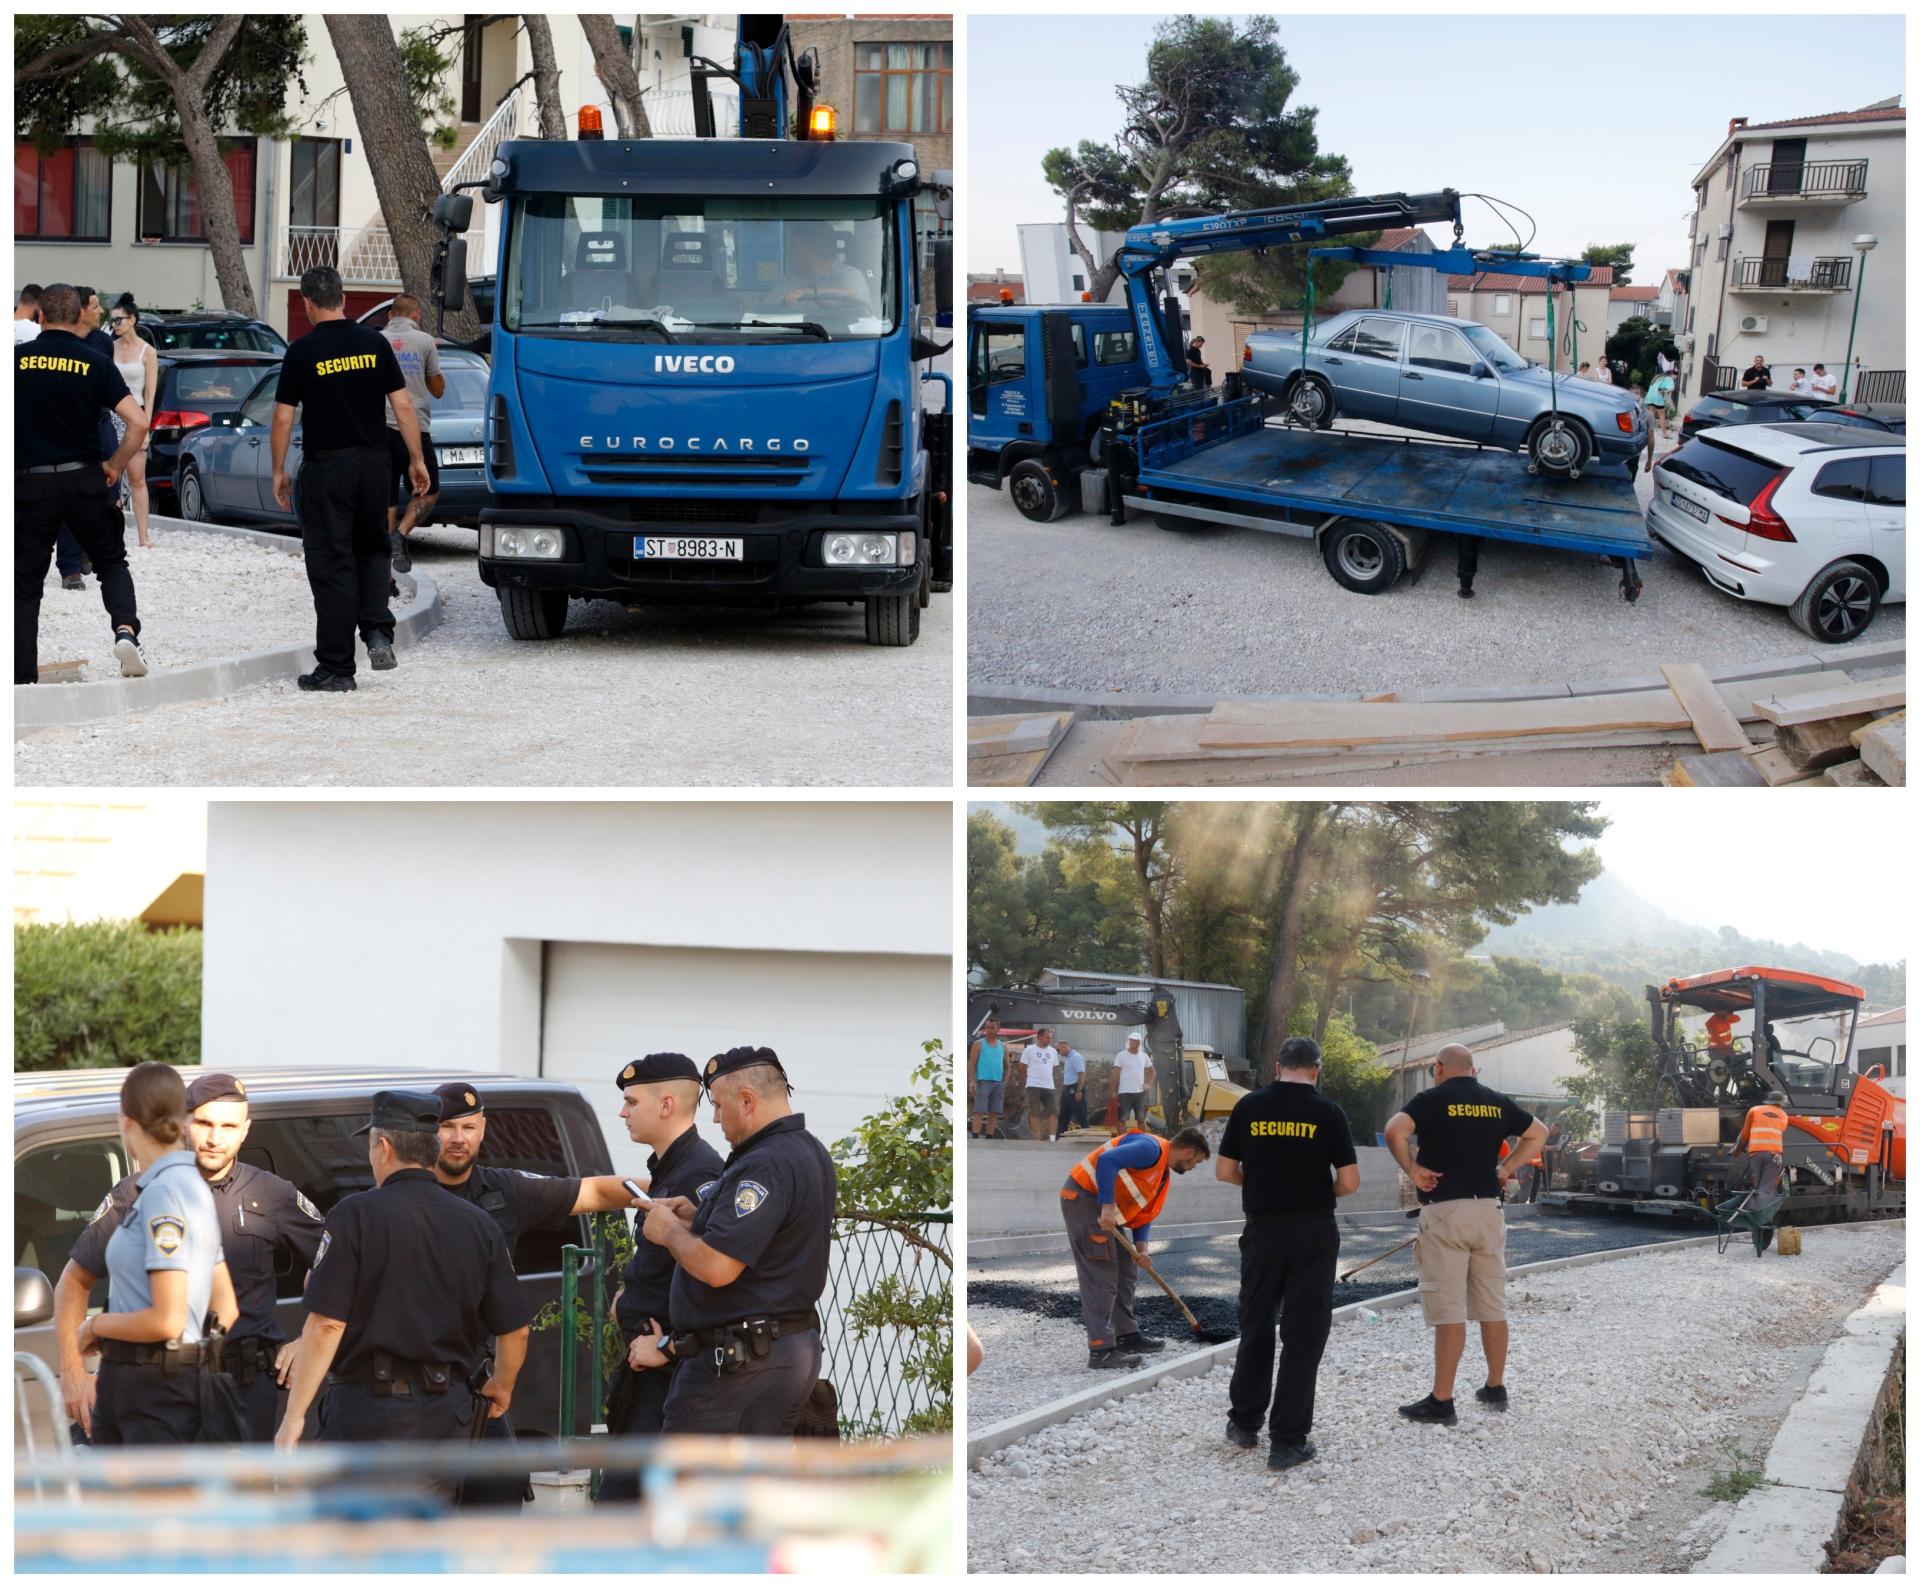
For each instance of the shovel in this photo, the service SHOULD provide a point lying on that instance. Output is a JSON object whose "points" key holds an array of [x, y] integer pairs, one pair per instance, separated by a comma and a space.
{"points": [[1210, 1336]]}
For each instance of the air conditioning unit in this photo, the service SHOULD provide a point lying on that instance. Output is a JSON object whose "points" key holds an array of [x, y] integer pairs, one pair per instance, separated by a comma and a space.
{"points": [[1684, 342], [1755, 323], [1726, 229]]}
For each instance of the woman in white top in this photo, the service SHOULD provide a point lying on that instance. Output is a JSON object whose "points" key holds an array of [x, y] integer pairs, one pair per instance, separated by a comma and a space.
{"points": [[139, 367]]}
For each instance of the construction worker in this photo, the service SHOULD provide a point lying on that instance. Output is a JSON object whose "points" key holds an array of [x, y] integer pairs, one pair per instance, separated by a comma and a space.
{"points": [[987, 1059], [1132, 1083], [1720, 1035], [1290, 1150], [1123, 1182], [1763, 1137], [1460, 1253]]}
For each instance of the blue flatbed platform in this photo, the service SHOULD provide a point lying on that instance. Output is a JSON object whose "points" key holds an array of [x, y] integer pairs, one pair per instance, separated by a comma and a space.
{"points": [[1227, 458]]}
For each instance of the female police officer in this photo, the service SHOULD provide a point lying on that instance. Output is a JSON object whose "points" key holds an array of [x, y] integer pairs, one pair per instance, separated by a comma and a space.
{"points": [[164, 1271]]}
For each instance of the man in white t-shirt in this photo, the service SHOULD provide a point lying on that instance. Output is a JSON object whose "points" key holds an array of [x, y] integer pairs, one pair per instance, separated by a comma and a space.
{"points": [[1040, 1058], [26, 315], [1133, 1081], [1823, 384]]}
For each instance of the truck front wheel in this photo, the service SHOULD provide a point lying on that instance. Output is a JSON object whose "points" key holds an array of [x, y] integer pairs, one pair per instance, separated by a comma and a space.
{"points": [[533, 614], [1032, 487], [893, 619], [1364, 556]]}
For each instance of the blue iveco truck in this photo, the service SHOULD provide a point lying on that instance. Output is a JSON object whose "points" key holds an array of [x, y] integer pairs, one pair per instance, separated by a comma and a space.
{"points": [[710, 360], [1090, 405]]}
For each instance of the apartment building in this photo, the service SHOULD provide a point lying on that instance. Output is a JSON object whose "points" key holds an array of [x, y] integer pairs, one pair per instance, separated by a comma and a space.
{"points": [[1799, 247], [1516, 308]]}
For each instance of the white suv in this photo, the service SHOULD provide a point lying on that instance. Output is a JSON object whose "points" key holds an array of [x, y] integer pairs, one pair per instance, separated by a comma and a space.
{"points": [[1808, 516]]}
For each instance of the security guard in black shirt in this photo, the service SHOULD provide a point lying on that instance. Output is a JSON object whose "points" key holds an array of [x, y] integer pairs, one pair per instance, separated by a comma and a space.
{"points": [[406, 1288], [750, 1263], [660, 1096], [1290, 1151], [61, 476], [516, 1200], [343, 374], [265, 1224]]}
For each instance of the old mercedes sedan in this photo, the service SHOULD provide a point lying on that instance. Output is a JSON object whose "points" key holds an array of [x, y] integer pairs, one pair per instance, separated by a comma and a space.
{"points": [[1449, 377]]}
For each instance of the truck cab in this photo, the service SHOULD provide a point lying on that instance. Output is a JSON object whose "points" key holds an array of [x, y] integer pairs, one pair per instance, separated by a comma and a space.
{"points": [[1039, 381], [707, 380]]}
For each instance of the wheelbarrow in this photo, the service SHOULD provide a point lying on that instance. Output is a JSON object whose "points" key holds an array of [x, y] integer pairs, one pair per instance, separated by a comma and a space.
{"points": [[1739, 1215]]}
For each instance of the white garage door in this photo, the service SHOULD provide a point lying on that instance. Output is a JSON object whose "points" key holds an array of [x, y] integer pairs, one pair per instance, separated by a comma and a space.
{"points": [[847, 1027]]}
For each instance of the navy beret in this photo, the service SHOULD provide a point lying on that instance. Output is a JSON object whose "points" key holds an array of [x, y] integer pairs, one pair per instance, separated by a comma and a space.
{"points": [[216, 1086], [656, 1067], [739, 1059], [458, 1099]]}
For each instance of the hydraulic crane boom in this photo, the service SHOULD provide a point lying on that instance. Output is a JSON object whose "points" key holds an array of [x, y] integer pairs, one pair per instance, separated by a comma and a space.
{"points": [[1152, 246]]}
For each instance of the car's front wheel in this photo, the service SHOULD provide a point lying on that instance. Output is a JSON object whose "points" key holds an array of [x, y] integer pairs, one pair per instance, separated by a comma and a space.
{"points": [[1559, 445], [1838, 605], [1310, 401], [193, 496]]}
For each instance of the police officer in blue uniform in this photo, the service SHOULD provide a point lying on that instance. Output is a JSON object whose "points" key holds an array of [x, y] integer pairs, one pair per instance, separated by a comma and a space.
{"points": [[750, 1263], [266, 1227], [406, 1288], [165, 1278], [660, 1097]]}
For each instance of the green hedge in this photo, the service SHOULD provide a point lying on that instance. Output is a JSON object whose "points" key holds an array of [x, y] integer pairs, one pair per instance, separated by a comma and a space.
{"points": [[97, 994]]}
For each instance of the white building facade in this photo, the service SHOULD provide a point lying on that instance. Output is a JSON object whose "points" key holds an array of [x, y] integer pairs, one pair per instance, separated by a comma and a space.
{"points": [[1778, 209], [561, 939]]}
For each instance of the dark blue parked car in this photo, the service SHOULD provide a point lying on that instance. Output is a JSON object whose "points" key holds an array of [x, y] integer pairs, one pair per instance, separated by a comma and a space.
{"points": [[225, 473]]}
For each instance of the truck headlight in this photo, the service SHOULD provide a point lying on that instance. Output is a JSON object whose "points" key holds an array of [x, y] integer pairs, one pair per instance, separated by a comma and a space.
{"points": [[525, 542], [858, 550]]}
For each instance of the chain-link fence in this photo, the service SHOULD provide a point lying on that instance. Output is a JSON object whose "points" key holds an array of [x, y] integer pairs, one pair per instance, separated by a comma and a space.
{"points": [[887, 1323]]}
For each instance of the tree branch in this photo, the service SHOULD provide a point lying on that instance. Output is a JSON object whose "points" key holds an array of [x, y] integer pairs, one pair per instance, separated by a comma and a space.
{"points": [[906, 1233]]}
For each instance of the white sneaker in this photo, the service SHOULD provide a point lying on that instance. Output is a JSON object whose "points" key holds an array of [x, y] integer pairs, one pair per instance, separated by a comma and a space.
{"points": [[127, 649]]}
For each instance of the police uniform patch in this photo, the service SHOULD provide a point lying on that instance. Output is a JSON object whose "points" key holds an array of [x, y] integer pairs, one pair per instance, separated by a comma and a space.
{"points": [[700, 1192], [169, 1232], [106, 1207], [528, 1174], [326, 1240], [306, 1207], [747, 1196]]}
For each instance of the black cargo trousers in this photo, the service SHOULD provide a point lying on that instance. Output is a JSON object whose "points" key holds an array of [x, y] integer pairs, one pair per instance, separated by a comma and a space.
{"points": [[1287, 1267], [342, 499], [79, 498]]}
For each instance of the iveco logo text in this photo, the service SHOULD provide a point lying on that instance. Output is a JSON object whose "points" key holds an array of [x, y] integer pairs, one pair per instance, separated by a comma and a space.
{"points": [[692, 363], [693, 444]]}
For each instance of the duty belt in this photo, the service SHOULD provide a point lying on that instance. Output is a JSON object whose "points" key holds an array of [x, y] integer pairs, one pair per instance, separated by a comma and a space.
{"points": [[167, 1353], [57, 468], [732, 1343], [392, 1375]]}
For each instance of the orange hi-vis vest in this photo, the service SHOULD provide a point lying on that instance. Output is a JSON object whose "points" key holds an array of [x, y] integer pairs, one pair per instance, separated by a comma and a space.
{"points": [[1765, 1129], [1720, 1031], [1138, 1194]]}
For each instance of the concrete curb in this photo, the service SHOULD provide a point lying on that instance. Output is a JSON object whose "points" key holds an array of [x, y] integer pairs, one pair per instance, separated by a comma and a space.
{"points": [[1163, 1239], [1002, 1434], [1117, 707], [1786, 1525], [40, 706]]}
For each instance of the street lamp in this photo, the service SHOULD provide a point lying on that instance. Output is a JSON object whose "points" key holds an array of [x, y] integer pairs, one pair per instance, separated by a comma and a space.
{"points": [[1863, 245]]}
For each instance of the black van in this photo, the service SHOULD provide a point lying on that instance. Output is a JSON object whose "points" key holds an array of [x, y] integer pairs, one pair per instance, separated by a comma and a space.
{"points": [[67, 1156]]}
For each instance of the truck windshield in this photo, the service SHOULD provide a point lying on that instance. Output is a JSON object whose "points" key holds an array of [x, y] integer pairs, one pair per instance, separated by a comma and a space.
{"points": [[673, 269], [1490, 347]]}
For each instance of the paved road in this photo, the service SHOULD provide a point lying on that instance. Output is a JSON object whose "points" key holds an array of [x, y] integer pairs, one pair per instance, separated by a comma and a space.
{"points": [[1013, 1187], [1238, 612], [664, 698]]}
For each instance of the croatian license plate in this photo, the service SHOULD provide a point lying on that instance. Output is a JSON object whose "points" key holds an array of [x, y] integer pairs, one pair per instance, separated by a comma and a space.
{"points": [[686, 548], [454, 456], [1690, 508]]}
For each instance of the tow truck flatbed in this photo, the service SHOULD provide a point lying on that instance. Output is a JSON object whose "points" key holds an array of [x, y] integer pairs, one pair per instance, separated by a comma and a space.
{"points": [[1225, 464]]}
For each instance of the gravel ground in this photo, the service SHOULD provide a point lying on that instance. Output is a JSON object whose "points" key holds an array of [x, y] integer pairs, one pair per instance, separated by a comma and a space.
{"points": [[200, 597], [1242, 612], [684, 697], [1031, 1304], [1627, 1378]]}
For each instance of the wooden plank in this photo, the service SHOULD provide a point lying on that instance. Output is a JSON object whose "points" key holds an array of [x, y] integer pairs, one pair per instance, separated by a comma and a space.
{"points": [[1812, 745], [1167, 765], [1884, 749], [1005, 771], [1859, 733], [1717, 727], [1016, 735], [1743, 695], [1726, 769], [1775, 766], [1849, 774], [1878, 694], [61, 672], [1343, 724]]}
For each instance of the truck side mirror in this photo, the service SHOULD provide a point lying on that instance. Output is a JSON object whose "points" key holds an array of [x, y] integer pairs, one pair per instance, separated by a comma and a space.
{"points": [[943, 275], [32, 1298], [453, 212], [452, 286]]}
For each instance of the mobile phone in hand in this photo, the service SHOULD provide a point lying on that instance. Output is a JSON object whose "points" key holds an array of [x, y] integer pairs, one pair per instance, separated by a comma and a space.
{"points": [[637, 1191]]}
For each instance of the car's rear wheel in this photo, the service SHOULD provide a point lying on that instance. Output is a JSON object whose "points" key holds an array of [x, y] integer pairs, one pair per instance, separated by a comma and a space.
{"points": [[1838, 605], [1310, 401], [1559, 445], [193, 496]]}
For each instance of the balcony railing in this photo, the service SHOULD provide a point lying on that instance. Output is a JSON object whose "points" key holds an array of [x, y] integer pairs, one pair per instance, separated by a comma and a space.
{"points": [[1793, 275], [1808, 179], [363, 258]]}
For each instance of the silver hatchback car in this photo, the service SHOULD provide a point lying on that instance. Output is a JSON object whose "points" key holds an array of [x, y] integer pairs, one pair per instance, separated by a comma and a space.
{"points": [[1450, 377]]}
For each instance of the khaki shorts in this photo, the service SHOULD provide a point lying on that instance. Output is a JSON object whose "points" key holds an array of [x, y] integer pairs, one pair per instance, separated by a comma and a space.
{"points": [[1461, 1259]]}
